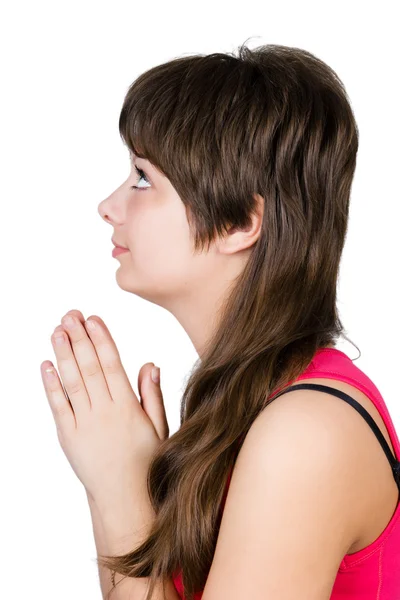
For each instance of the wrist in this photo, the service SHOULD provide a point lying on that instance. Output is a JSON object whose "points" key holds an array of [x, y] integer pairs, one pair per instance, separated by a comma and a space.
{"points": [[118, 500], [125, 523]]}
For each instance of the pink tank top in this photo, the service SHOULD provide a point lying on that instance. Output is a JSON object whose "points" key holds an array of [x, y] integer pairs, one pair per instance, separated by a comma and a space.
{"points": [[373, 572]]}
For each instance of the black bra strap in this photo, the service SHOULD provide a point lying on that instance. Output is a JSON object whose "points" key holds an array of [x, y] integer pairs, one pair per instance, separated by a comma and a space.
{"points": [[395, 464]]}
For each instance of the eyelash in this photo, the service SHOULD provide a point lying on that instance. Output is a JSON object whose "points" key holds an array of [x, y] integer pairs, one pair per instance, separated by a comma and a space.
{"points": [[142, 175]]}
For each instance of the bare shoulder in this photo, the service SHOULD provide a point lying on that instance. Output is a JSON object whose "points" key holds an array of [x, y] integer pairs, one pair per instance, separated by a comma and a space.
{"points": [[316, 432], [289, 515]]}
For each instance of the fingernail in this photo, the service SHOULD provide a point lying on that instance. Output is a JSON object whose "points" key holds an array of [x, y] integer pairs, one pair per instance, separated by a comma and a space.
{"points": [[50, 373], [91, 325], [69, 321], [155, 374]]}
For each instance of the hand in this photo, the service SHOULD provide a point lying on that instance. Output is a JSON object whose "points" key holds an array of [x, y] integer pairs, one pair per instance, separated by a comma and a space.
{"points": [[108, 436]]}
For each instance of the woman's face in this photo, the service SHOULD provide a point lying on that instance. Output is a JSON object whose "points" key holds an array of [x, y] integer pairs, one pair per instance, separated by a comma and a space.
{"points": [[161, 266], [150, 220]]}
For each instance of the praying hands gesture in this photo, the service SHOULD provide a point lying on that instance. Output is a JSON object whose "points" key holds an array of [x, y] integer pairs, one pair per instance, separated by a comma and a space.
{"points": [[108, 435]]}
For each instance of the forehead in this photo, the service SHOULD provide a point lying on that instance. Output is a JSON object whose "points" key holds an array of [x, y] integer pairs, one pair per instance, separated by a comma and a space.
{"points": [[132, 155]]}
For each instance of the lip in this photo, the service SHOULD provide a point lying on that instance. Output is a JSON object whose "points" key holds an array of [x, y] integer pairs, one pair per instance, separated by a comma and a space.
{"points": [[118, 250], [118, 246]]}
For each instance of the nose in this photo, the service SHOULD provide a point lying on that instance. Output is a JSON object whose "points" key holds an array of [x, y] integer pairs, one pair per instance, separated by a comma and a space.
{"points": [[101, 209], [107, 210], [112, 208]]}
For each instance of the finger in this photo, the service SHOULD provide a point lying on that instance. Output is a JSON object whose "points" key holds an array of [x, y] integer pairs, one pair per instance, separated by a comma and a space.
{"points": [[85, 379], [70, 373], [119, 387], [77, 314], [117, 380], [141, 378], [60, 405], [142, 374], [152, 401]]}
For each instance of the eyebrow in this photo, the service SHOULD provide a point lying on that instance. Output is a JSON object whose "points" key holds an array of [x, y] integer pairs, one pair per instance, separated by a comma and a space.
{"points": [[132, 156]]}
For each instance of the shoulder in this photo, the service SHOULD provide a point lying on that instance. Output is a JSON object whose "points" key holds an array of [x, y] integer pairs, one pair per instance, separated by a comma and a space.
{"points": [[308, 430], [288, 518]]}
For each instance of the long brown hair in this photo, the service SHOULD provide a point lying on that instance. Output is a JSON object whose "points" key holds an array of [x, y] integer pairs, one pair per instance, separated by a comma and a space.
{"points": [[274, 121]]}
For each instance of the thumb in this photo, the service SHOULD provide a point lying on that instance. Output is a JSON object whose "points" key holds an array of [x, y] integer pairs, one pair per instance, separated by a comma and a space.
{"points": [[151, 399]]}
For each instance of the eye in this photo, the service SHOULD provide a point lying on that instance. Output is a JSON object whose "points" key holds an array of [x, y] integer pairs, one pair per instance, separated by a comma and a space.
{"points": [[142, 175]]}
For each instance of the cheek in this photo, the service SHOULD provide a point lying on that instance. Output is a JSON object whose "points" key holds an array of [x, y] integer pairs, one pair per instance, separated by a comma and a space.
{"points": [[160, 245]]}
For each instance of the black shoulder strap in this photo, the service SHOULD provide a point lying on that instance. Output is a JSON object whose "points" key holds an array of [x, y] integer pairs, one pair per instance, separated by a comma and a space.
{"points": [[395, 464]]}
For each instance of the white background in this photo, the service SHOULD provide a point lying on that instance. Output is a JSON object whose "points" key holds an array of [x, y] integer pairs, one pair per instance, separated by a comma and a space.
{"points": [[65, 68]]}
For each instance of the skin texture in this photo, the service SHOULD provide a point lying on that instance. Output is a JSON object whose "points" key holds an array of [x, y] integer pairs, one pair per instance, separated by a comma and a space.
{"points": [[290, 513], [160, 267], [103, 429]]}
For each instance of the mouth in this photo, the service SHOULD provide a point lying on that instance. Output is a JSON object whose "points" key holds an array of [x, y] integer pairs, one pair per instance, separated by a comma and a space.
{"points": [[118, 250], [118, 246]]}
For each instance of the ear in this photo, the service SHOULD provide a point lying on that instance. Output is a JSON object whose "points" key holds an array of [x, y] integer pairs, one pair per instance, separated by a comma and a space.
{"points": [[242, 239]]}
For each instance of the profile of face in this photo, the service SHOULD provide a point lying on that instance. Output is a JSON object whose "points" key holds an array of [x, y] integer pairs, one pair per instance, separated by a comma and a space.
{"points": [[150, 220], [161, 266]]}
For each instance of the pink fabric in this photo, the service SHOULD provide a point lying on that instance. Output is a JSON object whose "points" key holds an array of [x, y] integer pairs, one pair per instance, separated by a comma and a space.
{"points": [[372, 573]]}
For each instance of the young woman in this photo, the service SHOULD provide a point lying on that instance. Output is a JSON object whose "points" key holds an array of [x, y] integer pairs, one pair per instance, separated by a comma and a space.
{"points": [[234, 218]]}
